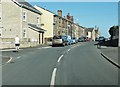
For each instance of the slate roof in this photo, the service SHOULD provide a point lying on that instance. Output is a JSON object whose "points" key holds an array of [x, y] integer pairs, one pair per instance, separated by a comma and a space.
{"points": [[24, 4], [89, 29], [45, 9]]}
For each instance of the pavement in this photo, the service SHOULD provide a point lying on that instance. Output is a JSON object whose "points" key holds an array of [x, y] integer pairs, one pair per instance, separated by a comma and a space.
{"points": [[111, 54]]}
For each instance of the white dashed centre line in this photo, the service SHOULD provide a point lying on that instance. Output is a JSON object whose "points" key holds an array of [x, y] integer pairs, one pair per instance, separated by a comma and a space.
{"points": [[53, 78], [9, 60], [43, 47], [19, 57], [69, 50], [60, 58]]}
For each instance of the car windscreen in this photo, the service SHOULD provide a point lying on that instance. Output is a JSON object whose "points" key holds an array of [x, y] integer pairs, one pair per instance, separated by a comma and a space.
{"points": [[57, 37], [101, 38]]}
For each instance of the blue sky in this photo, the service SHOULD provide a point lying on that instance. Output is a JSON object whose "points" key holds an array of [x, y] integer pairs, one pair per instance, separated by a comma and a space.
{"points": [[87, 14]]}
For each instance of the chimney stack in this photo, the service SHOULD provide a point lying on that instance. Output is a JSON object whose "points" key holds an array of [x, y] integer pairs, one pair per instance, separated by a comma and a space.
{"points": [[60, 13]]}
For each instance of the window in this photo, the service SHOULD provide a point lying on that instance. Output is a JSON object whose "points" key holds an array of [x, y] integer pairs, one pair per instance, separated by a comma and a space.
{"points": [[55, 19], [24, 16], [0, 19], [24, 33], [87, 33], [38, 20], [59, 32]]}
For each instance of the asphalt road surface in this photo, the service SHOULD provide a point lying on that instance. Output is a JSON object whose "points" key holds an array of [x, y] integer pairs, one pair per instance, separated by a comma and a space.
{"points": [[79, 64]]}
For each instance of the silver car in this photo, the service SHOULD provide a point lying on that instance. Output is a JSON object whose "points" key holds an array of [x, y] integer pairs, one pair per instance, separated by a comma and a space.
{"points": [[59, 40]]}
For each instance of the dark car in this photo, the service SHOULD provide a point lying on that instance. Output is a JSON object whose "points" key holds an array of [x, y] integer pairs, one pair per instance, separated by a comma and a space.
{"points": [[82, 39], [96, 39], [101, 38]]}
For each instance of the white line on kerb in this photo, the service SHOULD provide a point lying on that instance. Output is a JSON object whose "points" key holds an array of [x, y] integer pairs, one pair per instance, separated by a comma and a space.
{"points": [[60, 58], [9, 60], [53, 78]]}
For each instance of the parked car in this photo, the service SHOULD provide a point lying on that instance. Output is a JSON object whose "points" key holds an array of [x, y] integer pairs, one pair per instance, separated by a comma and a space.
{"points": [[82, 39], [101, 38], [74, 40], [59, 40], [96, 39], [69, 39]]}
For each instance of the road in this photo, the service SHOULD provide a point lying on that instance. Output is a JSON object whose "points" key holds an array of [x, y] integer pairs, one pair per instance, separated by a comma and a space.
{"points": [[79, 64]]}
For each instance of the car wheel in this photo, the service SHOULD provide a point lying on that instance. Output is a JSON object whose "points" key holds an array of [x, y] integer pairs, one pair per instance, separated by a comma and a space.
{"points": [[63, 44]]}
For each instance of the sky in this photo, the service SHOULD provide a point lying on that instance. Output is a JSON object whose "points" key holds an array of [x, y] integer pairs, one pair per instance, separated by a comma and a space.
{"points": [[88, 14]]}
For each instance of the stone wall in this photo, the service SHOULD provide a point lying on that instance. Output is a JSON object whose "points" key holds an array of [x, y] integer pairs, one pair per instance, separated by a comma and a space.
{"points": [[9, 43]]}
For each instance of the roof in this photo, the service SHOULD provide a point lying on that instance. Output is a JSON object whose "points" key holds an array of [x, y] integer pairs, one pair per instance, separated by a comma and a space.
{"points": [[52, 13], [89, 29], [24, 4], [45, 9], [36, 28], [63, 18], [97, 30]]}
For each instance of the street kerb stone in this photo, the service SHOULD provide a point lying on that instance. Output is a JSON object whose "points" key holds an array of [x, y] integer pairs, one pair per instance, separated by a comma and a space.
{"points": [[111, 53], [110, 60]]}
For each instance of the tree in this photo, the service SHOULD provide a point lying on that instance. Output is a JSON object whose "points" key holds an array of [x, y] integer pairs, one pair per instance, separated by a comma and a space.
{"points": [[112, 31]]}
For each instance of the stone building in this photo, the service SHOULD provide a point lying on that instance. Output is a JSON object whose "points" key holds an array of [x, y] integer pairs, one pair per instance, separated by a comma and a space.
{"points": [[20, 18], [60, 24], [90, 33]]}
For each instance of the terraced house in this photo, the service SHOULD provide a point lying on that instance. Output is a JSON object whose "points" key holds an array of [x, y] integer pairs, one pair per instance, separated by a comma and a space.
{"points": [[92, 33], [20, 18], [62, 26], [47, 22]]}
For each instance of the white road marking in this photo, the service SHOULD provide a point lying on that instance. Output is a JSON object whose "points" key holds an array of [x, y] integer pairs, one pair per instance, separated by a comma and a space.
{"points": [[19, 57], [44, 47], [9, 60], [60, 58], [68, 50], [53, 78]]}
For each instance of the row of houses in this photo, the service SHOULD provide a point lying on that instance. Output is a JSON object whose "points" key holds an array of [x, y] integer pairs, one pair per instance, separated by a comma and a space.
{"points": [[36, 25]]}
